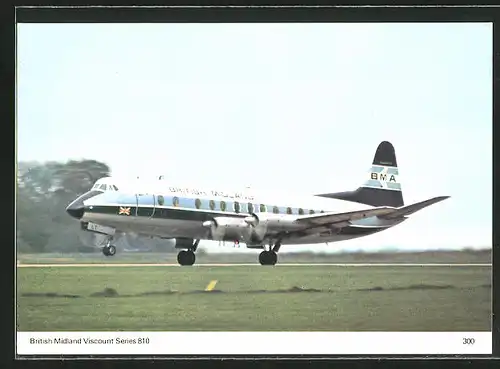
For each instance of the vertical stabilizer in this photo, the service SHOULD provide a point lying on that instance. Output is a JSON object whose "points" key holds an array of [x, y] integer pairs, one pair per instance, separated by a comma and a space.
{"points": [[382, 186]]}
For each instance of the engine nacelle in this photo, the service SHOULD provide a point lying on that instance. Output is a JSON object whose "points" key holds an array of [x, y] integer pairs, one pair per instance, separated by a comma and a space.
{"points": [[228, 228], [273, 222], [252, 229]]}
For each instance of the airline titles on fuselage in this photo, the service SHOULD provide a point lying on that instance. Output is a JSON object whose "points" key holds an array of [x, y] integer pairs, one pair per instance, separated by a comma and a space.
{"points": [[215, 193]]}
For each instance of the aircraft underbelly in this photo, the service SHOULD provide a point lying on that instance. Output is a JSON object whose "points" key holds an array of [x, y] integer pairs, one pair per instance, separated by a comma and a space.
{"points": [[157, 227], [173, 228]]}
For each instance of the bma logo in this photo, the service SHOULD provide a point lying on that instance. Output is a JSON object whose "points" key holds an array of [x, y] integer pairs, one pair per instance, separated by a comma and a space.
{"points": [[384, 177]]}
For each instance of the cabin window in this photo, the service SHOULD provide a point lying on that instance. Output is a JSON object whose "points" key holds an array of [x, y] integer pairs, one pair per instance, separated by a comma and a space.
{"points": [[311, 211], [289, 210], [322, 211], [212, 204], [263, 208], [237, 207], [175, 201], [276, 210], [301, 211], [250, 207], [222, 206], [197, 203], [161, 200]]}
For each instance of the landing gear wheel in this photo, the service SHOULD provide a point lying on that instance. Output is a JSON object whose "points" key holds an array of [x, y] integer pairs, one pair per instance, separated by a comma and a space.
{"points": [[186, 258], [109, 250], [268, 258]]}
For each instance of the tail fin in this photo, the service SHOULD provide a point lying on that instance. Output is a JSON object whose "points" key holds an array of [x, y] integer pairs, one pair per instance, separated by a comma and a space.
{"points": [[382, 187]]}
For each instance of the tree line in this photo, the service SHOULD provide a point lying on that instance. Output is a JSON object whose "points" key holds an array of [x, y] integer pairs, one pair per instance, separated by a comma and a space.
{"points": [[43, 192]]}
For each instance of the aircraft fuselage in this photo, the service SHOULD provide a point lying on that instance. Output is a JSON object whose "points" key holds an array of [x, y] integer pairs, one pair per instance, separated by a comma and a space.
{"points": [[172, 214]]}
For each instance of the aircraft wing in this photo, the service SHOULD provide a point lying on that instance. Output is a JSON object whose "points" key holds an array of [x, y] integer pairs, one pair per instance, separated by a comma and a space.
{"points": [[410, 209], [383, 212], [333, 218]]}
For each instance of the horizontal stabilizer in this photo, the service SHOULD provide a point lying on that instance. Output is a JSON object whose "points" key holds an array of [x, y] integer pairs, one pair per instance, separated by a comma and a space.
{"points": [[332, 218], [410, 209]]}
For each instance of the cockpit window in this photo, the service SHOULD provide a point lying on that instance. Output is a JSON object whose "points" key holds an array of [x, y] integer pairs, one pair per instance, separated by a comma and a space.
{"points": [[104, 187]]}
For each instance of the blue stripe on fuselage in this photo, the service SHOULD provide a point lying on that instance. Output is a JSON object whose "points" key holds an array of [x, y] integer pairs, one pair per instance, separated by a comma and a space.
{"points": [[184, 202]]}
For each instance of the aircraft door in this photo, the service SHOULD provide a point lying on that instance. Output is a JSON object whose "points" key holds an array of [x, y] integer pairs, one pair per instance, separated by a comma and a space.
{"points": [[145, 205]]}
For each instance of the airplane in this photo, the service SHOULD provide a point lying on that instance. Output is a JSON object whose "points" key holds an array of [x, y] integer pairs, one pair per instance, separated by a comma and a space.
{"points": [[260, 220]]}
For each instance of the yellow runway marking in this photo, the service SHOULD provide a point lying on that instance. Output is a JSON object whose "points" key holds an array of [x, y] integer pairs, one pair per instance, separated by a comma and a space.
{"points": [[211, 285]]}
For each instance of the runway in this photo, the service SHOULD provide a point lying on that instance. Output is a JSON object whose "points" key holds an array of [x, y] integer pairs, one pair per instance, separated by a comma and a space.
{"points": [[248, 264]]}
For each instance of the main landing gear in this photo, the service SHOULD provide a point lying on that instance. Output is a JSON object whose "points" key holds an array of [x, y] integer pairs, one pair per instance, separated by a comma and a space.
{"points": [[187, 257], [108, 249], [270, 257]]}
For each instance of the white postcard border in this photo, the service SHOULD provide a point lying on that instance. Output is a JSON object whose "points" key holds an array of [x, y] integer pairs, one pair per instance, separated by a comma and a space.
{"points": [[254, 343]]}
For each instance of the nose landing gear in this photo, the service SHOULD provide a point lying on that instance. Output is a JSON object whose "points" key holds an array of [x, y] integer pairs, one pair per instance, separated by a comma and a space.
{"points": [[108, 249]]}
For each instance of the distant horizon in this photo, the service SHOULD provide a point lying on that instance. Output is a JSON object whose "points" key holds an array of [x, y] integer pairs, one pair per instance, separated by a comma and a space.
{"points": [[331, 249], [348, 247], [243, 250]]}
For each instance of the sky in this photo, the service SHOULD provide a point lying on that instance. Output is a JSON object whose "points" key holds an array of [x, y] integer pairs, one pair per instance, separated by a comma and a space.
{"points": [[298, 106]]}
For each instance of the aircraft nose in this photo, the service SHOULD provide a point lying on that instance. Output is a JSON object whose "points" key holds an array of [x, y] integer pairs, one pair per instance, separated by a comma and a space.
{"points": [[77, 208]]}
